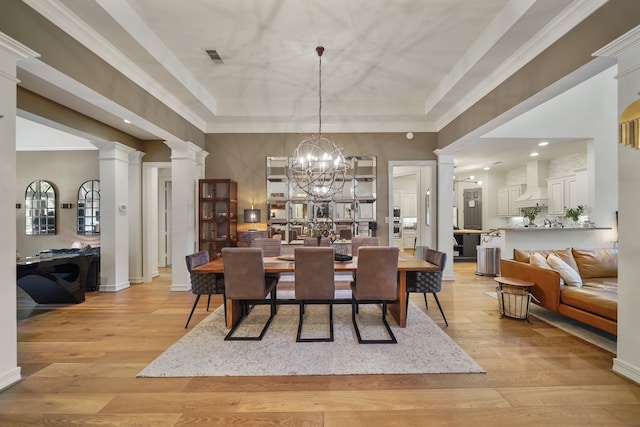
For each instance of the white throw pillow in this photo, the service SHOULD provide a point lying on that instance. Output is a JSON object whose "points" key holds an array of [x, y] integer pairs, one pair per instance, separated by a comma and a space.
{"points": [[568, 274], [539, 260]]}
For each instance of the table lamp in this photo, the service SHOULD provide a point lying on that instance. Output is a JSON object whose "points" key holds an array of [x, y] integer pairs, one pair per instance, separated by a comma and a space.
{"points": [[252, 216]]}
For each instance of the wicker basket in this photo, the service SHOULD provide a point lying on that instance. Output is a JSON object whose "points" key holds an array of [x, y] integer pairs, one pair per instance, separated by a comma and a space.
{"points": [[514, 302]]}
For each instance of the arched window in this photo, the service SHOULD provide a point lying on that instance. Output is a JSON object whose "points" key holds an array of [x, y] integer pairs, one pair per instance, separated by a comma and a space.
{"points": [[40, 208], [89, 208]]}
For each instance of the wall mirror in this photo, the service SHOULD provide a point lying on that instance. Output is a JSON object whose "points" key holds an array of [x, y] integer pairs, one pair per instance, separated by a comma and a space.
{"points": [[40, 208], [89, 208]]}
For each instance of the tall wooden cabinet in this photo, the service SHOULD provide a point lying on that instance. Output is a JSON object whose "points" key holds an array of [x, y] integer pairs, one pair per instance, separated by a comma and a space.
{"points": [[217, 215]]}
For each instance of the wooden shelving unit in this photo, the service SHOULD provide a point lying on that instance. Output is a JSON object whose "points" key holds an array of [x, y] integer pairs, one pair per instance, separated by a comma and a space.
{"points": [[217, 215]]}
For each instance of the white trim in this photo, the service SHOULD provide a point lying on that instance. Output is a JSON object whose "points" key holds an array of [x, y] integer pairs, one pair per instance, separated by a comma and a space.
{"points": [[621, 44], [62, 17], [627, 370], [114, 288], [10, 378], [14, 48]]}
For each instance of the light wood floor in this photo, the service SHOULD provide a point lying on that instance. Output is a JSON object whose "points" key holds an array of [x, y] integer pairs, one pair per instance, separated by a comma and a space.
{"points": [[80, 362]]}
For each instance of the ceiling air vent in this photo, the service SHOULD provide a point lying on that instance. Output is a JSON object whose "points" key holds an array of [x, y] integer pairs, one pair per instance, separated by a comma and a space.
{"points": [[213, 54]]}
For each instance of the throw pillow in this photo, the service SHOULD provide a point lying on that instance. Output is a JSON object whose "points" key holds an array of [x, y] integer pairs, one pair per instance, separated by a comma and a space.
{"points": [[539, 260], [568, 274]]}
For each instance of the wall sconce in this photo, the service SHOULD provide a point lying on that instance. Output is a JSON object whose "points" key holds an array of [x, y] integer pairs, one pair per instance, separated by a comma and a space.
{"points": [[66, 205], [252, 216]]}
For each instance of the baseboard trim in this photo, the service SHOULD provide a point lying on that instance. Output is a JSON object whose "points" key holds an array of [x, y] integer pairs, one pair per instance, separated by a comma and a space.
{"points": [[627, 370], [10, 378], [114, 288]]}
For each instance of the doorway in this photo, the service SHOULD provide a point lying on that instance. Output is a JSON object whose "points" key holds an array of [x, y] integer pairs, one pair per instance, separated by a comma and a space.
{"points": [[416, 203], [472, 199]]}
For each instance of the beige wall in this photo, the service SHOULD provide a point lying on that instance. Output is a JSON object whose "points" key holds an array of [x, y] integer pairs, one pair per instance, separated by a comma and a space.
{"points": [[67, 170], [242, 157]]}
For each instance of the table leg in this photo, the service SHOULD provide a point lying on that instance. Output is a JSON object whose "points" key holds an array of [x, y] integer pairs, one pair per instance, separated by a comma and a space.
{"points": [[399, 309], [234, 312]]}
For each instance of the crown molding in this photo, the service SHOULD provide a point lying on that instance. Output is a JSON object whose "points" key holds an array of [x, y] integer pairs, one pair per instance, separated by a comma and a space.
{"points": [[67, 21], [15, 49], [570, 17]]}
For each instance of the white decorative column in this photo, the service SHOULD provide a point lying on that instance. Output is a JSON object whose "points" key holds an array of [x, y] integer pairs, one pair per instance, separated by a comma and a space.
{"points": [[10, 52], [114, 216], [135, 217], [184, 173], [445, 209], [627, 362]]}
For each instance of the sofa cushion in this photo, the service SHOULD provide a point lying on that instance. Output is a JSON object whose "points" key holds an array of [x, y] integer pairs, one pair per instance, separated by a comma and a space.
{"points": [[524, 255], [597, 301], [568, 274], [599, 262]]}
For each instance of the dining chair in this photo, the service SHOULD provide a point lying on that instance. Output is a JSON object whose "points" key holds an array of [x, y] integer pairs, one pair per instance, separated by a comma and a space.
{"points": [[204, 283], [428, 281], [358, 241], [246, 282], [270, 248], [313, 241], [314, 284], [376, 282]]}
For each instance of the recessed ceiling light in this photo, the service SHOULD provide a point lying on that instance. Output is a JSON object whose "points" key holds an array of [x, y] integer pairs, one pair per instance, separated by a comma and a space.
{"points": [[127, 121], [534, 154], [543, 143], [486, 168]]}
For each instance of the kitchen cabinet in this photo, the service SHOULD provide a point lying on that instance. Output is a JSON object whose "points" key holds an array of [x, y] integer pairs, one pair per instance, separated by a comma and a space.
{"points": [[506, 200], [566, 192], [464, 245], [409, 205], [408, 238]]}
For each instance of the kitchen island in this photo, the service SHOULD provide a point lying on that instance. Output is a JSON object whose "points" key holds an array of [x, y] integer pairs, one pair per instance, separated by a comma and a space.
{"points": [[508, 239]]}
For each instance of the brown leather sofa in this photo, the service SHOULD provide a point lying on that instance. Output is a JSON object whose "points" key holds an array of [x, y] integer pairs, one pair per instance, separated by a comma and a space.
{"points": [[594, 303]]}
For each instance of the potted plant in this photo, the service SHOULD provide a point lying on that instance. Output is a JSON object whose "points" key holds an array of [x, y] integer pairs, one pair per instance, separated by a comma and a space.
{"points": [[530, 213], [574, 213]]}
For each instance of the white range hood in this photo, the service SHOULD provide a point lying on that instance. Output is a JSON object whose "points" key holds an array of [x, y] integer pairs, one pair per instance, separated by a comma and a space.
{"points": [[536, 191]]}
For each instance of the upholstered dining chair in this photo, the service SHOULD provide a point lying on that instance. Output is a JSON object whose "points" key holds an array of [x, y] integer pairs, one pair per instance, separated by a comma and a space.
{"points": [[270, 247], [357, 241], [245, 281], [204, 283], [314, 284], [428, 281], [376, 282], [313, 241]]}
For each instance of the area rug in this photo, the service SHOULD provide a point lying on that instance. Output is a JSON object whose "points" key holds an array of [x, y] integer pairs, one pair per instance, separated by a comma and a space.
{"points": [[590, 334], [423, 347]]}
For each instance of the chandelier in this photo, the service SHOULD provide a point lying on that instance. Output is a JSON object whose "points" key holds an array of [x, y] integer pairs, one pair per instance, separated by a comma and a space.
{"points": [[318, 165]]}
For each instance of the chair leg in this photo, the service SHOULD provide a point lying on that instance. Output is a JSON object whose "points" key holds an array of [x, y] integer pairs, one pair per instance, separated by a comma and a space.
{"points": [[192, 309], [424, 294], [440, 307], [299, 334], [246, 309], [392, 338], [208, 302]]}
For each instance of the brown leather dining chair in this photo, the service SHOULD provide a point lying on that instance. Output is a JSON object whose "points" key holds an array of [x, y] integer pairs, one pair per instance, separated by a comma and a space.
{"points": [[376, 282], [314, 284], [246, 282], [204, 283], [358, 241], [270, 247]]}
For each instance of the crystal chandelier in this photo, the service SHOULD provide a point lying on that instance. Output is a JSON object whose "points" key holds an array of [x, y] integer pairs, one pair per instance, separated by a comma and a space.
{"points": [[318, 165]]}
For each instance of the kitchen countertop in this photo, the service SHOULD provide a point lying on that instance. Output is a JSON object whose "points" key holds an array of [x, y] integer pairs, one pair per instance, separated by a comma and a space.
{"points": [[533, 229], [465, 231]]}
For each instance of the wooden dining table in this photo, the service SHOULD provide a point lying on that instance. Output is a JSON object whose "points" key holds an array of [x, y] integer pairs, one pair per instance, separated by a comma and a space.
{"points": [[406, 262]]}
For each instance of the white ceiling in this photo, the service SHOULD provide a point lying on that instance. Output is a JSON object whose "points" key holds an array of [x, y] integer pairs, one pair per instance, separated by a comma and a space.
{"points": [[389, 66]]}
